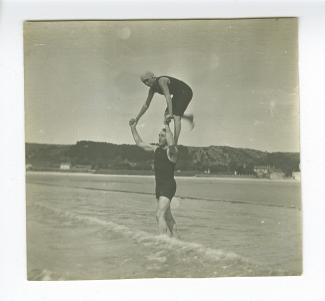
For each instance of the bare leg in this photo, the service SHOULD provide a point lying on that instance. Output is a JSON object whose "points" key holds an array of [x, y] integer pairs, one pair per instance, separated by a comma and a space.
{"points": [[162, 207], [177, 127], [171, 222]]}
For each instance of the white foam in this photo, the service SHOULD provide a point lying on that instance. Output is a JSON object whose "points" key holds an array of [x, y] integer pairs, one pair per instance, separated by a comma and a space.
{"points": [[147, 239]]}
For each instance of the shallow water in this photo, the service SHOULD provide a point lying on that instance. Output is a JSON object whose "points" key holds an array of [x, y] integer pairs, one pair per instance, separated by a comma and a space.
{"points": [[103, 227]]}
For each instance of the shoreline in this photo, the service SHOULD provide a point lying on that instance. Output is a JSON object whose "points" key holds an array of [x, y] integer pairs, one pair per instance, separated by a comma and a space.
{"points": [[182, 177]]}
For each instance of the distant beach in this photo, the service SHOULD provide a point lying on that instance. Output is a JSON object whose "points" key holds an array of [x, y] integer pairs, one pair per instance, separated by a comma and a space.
{"points": [[150, 175]]}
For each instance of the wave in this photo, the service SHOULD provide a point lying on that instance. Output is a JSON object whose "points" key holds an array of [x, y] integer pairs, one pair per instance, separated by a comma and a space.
{"points": [[148, 239], [209, 258]]}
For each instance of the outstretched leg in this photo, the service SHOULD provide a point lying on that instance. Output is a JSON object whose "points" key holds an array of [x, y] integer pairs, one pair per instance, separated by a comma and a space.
{"points": [[162, 207]]}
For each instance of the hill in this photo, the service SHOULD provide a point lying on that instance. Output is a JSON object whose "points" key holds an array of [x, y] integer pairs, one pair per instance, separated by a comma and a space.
{"points": [[102, 155]]}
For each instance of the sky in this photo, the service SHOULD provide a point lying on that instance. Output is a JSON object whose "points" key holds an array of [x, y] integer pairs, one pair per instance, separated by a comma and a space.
{"points": [[82, 80]]}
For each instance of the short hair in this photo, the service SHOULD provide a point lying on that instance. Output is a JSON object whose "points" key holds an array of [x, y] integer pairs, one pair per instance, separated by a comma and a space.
{"points": [[164, 130], [147, 75]]}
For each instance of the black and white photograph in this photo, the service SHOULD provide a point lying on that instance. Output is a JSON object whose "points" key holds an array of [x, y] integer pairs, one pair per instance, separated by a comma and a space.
{"points": [[162, 148]]}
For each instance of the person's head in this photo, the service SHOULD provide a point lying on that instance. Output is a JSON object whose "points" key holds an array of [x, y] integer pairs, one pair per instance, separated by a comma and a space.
{"points": [[148, 78], [162, 138]]}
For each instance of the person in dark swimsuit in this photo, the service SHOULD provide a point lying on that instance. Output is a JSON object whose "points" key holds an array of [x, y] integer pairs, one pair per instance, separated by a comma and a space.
{"points": [[178, 96], [165, 157]]}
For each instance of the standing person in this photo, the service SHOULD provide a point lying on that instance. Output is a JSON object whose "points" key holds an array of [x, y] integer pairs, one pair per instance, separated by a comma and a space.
{"points": [[165, 156], [178, 96]]}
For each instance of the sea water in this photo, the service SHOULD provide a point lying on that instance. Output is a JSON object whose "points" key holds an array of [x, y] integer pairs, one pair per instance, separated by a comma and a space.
{"points": [[86, 226]]}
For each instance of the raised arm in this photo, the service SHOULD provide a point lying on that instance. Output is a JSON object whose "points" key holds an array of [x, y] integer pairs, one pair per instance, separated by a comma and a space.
{"points": [[169, 134], [138, 140], [163, 82], [146, 105]]}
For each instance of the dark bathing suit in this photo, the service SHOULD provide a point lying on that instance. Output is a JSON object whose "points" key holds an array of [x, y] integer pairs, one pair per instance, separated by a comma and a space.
{"points": [[182, 94], [164, 174]]}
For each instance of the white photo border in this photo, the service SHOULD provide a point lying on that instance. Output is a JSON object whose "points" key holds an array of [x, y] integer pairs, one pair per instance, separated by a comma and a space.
{"points": [[13, 283]]}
